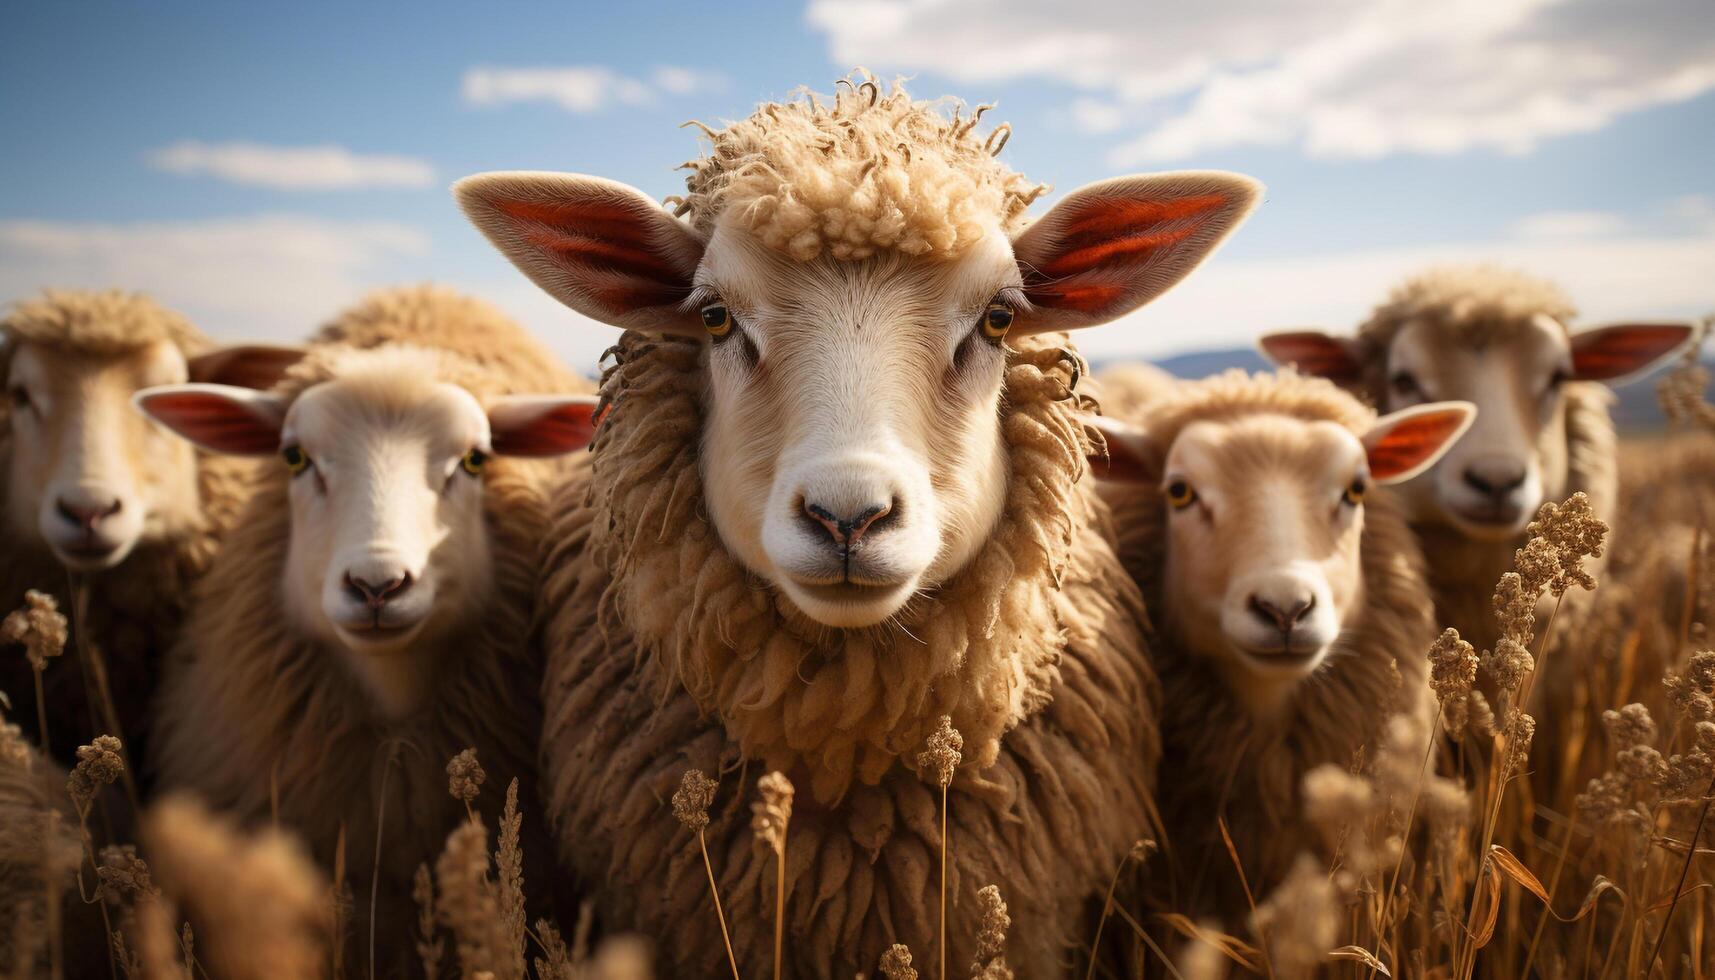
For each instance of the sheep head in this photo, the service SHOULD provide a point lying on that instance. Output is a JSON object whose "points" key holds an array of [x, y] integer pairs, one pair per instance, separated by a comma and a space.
{"points": [[88, 477], [1262, 502], [855, 297], [384, 462], [1499, 341]]}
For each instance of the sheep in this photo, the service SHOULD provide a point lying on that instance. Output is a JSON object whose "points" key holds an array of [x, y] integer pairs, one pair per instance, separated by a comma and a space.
{"points": [[370, 616], [93, 491], [838, 495], [1289, 596], [1498, 339]]}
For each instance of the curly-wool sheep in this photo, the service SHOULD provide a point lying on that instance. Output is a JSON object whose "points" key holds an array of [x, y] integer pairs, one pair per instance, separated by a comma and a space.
{"points": [[667, 656], [1227, 756], [109, 342]]}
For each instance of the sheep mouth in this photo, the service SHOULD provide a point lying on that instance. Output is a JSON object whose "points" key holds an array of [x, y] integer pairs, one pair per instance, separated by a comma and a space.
{"points": [[86, 557], [848, 591], [1291, 653]]}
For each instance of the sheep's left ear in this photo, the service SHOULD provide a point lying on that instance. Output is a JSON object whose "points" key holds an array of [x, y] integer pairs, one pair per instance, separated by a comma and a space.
{"points": [[1623, 351], [257, 366], [1129, 452], [1114, 245], [541, 425], [1409, 441], [1314, 352]]}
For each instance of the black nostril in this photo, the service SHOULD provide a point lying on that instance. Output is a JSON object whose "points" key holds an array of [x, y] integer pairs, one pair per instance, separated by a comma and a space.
{"points": [[85, 517], [845, 530], [1478, 484], [373, 595], [1281, 618], [1491, 485]]}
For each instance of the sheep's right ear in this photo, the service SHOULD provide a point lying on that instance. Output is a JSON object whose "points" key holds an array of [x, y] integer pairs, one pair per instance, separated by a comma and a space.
{"points": [[257, 366], [220, 418], [541, 425], [1314, 352], [598, 246], [1129, 452], [1409, 441]]}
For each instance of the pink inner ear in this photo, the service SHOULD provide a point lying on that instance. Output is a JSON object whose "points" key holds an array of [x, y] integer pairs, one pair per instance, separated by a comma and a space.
{"points": [[1123, 463], [1412, 441], [560, 430], [215, 422], [1312, 353], [602, 237], [1614, 352], [1109, 234]]}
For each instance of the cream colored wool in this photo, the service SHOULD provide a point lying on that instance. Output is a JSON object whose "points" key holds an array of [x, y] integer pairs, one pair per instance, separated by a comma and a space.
{"points": [[437, 317], [1222, 760], [863, 171], [1126, 390], [135, 608], [666, 655], [253, 709], [1478, 301], [38, 836]]}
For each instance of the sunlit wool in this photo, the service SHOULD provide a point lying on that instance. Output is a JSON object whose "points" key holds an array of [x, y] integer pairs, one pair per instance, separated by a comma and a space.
{"points": [[667, 655]]}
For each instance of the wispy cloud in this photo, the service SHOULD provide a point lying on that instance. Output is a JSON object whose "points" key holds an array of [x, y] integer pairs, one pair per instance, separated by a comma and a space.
{"points": [[580, 88], [263, 276], [1336, 78], [292, 168]]}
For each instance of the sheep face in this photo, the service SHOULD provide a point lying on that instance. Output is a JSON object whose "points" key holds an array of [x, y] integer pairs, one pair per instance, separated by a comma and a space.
{"points": [[1262, 563], [384, 465], [88, 477], [853, 453]]}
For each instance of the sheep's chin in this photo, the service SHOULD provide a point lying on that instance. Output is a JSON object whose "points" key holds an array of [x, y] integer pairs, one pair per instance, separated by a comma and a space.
{"points": [[1490, 530], [864, 607], [1265, 681]]}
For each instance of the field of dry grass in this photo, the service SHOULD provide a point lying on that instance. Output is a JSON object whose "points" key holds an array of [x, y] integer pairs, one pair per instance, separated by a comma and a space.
{"points": [[1560, 826]]}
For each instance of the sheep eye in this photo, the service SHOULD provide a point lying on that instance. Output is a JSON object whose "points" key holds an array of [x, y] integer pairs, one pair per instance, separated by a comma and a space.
{"points": [[296, 459], [1405, 385], [472, 462], [997, 320], [1180, 494], [1354, 494], [1560, 377], [717, 320], [19, 397]]}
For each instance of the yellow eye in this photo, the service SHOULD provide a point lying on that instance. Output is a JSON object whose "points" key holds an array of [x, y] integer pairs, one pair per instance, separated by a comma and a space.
{"points": [[296, 460], [472, 462], [997, 320], [1354, 494], [1180, 494], [717, 320]]}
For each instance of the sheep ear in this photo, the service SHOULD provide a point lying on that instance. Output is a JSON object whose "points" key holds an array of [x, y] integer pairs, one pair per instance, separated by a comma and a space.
{"points": [[220, 418], [598, 246], [1409, 441], [1112, 246], [1314, 352], [541, 425], [1129, 452], [257, 366], [1623, 351]]}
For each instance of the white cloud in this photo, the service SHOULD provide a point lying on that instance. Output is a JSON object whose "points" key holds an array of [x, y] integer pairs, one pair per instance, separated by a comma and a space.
{"points": [[1561, 225], [1097, 117], [262, 277], [292, 168], [1339, 78], [579, 88]]}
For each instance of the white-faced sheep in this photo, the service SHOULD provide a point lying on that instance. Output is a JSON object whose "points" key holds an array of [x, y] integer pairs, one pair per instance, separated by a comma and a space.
{"points": [[93, 490], [1499, 340], [1289, 597], [839, 494], [370, 616]]}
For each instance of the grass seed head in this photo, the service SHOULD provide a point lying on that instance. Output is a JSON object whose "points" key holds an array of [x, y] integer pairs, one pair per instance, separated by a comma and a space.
{"points": [[123, 876], [771, 813], [465, 776], [896, 963], [692, 800], [98, 764], [941, 758], [39, 626], [991, 934]]}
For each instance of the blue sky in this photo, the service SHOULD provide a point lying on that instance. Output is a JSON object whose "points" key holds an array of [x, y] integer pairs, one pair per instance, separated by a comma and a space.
{"points": [[261, 165]]}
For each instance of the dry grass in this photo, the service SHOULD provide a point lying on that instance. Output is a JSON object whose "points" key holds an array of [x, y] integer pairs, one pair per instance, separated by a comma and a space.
{"points": [[1561, 828]]}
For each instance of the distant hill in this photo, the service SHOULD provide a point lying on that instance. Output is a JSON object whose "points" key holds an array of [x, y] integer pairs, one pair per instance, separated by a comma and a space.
{"points": [[1636, 411]]}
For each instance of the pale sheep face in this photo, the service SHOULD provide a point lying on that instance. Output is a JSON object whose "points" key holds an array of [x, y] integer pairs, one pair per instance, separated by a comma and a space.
{"points": [[853, 452], [389, 549], [90, 478]]}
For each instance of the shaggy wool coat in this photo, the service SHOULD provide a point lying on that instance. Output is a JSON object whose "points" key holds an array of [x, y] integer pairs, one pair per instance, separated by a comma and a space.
{"points": [[665, 654]]}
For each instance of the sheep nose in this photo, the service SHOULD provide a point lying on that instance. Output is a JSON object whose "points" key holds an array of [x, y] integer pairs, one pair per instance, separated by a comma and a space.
{"points": [[1494, 480], [85, 514], [847, 528], [377, 595], [1282, 611]]}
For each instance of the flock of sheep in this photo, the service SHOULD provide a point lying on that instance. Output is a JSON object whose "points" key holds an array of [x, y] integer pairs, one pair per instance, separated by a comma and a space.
{"points": [[847, 484]]}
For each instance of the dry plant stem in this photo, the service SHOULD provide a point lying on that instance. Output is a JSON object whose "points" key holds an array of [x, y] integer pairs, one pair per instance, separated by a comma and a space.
{"points": [[41, 710], [1107, 912], [943, 940], [375, 874], [1684, 871], [1250, 900], [97, 664], [1142, 934], [779, 902], [715, 893], [1405, 835], [1693, 566], [1553, 884]]}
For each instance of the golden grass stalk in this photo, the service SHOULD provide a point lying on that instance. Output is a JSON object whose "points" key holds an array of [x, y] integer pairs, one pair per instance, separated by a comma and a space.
{"points": [[941, 760], [40, 628], [770, 817], [1139, 852], [691, 805], [1684, 871]]}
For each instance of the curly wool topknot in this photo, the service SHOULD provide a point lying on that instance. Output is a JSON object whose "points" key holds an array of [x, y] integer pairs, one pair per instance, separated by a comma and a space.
{"points": [[1471, 301], [103, 324], [866, 170]]}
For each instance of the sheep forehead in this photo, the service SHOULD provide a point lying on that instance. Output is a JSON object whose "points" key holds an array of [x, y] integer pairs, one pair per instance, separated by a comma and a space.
{"points": [[152, 363], [1236, 455], [355, 410], [1527, 348]]}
